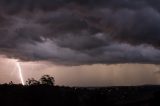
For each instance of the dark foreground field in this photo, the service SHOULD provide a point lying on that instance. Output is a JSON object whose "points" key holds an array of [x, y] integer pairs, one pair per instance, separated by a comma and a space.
{"points": [[44, 95]]}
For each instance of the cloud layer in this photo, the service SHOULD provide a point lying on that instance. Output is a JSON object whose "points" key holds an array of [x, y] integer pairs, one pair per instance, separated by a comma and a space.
{"points": [[81, 32]]}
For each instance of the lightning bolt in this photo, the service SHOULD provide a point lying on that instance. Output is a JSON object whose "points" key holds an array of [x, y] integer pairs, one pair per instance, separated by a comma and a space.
{"points": [[20, 73]]}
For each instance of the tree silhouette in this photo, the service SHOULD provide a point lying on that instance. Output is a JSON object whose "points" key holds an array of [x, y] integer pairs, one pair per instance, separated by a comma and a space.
{"points": [[11, 83], [32, 81], [47, 80]]}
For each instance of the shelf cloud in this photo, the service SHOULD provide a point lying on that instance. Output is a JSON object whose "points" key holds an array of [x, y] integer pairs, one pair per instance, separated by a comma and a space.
{"points": [[69, 32]]}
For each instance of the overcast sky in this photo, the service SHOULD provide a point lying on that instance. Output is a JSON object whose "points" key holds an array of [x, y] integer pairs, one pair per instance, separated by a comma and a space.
{"points": [[88, 42]]}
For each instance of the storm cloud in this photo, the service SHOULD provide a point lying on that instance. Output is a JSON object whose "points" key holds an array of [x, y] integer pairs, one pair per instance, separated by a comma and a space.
{"points": [[80, 32]]}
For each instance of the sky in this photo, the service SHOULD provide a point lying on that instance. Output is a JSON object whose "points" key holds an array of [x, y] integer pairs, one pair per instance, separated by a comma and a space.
{"points": [[81, 42]]}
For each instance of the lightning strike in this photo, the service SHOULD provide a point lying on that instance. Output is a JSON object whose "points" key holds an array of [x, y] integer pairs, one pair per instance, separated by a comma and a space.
{"points": [[20, 73]]}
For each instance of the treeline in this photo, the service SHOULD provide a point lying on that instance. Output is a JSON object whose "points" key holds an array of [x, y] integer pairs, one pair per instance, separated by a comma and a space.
{"points": [[44, 80], [43, 92]]}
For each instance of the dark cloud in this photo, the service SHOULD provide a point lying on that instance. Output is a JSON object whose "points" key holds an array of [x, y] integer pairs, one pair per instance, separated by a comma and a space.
{"points": [[81, 32], [132, 26]]}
